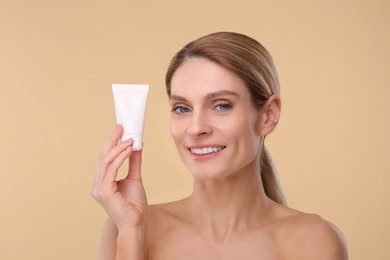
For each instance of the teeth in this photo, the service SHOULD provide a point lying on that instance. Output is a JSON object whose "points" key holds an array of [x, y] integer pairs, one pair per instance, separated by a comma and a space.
{"points": [[205, 150]]}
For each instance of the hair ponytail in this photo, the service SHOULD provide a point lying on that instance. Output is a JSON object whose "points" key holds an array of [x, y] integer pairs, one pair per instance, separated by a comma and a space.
{"points": [[269, 178]]}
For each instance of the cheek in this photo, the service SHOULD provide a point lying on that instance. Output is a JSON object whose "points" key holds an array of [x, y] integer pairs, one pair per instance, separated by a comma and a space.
{"points": [[177, 129], [241, 126], [244, 132]]}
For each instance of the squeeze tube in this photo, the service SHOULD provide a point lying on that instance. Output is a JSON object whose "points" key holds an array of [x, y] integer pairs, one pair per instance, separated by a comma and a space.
{"points": [[130, 108]]}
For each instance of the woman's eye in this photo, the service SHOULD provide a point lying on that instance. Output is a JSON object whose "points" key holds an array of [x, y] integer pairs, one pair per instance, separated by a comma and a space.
{"points": [[223, 107], [180, 110]]}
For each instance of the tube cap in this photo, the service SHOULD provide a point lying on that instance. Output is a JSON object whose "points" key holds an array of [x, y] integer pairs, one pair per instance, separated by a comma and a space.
{"points": [[137, 145]]}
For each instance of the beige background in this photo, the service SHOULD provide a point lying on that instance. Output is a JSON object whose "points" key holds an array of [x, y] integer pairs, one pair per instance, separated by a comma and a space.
{"points": [[58, 60]]}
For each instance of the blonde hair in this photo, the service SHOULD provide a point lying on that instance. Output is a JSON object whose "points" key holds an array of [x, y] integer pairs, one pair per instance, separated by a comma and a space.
{"points": [[251, 62]]}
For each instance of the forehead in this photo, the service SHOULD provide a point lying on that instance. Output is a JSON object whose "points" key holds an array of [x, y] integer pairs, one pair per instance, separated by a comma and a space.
{"points": [[201, 76]]}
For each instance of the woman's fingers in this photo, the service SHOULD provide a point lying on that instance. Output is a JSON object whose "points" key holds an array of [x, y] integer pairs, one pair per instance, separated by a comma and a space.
{"points": [[112, 149], [114, 138], [124, 200], [135, 162], [107, 170], [116, 163], [113, 159]]}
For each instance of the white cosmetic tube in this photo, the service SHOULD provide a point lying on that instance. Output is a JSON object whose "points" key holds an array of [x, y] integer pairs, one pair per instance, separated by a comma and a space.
{"points": [[130, 107]]}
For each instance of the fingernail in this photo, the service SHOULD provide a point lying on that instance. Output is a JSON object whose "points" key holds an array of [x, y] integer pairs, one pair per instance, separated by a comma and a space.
{"points": [[129, 140]]}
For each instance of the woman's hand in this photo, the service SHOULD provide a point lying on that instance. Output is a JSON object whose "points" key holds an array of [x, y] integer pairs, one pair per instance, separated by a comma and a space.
{"points": [[123, 200]]}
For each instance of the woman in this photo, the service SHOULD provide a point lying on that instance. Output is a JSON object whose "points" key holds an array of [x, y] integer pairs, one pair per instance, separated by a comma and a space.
{"points": [[224, 93]]}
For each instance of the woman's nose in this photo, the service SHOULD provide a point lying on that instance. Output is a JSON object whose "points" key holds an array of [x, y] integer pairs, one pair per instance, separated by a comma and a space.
{"points": [[199, 125]]}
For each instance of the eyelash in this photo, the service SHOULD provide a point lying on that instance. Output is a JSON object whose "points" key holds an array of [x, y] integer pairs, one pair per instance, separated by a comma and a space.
{"points": [[219, 107], [177, 109], [227, 107]]}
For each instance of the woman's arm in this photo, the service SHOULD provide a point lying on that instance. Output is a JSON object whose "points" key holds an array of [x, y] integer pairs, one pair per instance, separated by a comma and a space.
{"points": [[130, 244], [124, 200], [120, 246], [107, 247]]}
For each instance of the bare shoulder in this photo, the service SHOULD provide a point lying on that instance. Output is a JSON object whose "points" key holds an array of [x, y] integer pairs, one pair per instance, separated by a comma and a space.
{"points": [[163, 218], [309, 236], [166, 225], [167, 212]]}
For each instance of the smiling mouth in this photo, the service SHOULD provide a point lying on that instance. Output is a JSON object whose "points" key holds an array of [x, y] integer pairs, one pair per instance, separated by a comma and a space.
{"points": [[206, 150]]}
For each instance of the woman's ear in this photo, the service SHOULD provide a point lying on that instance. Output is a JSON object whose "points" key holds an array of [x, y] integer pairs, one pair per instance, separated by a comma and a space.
{"points": [[269, 115]]}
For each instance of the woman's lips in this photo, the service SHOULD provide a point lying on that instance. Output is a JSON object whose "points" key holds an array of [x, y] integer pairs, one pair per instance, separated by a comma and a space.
{"points": [[206, 150]]}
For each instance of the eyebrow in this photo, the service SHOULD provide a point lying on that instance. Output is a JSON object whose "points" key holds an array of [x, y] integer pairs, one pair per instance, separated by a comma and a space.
{"points": [[209, 96]]}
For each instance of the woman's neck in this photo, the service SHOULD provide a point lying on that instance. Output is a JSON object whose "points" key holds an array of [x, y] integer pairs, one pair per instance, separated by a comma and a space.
{"points": [[222, 206]]}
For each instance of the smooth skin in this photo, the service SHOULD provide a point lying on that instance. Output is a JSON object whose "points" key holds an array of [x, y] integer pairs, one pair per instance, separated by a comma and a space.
{"points": [[124, 200], [228, 215]]}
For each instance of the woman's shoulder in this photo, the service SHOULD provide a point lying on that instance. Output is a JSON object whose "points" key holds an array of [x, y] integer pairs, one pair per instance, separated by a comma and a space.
{"points": [[165, 220], [309, 236], [166, 210], [166, 215]]}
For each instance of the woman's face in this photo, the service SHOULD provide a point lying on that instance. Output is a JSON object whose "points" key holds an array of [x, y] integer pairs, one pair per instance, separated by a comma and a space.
{"points": [[214, 125]]}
